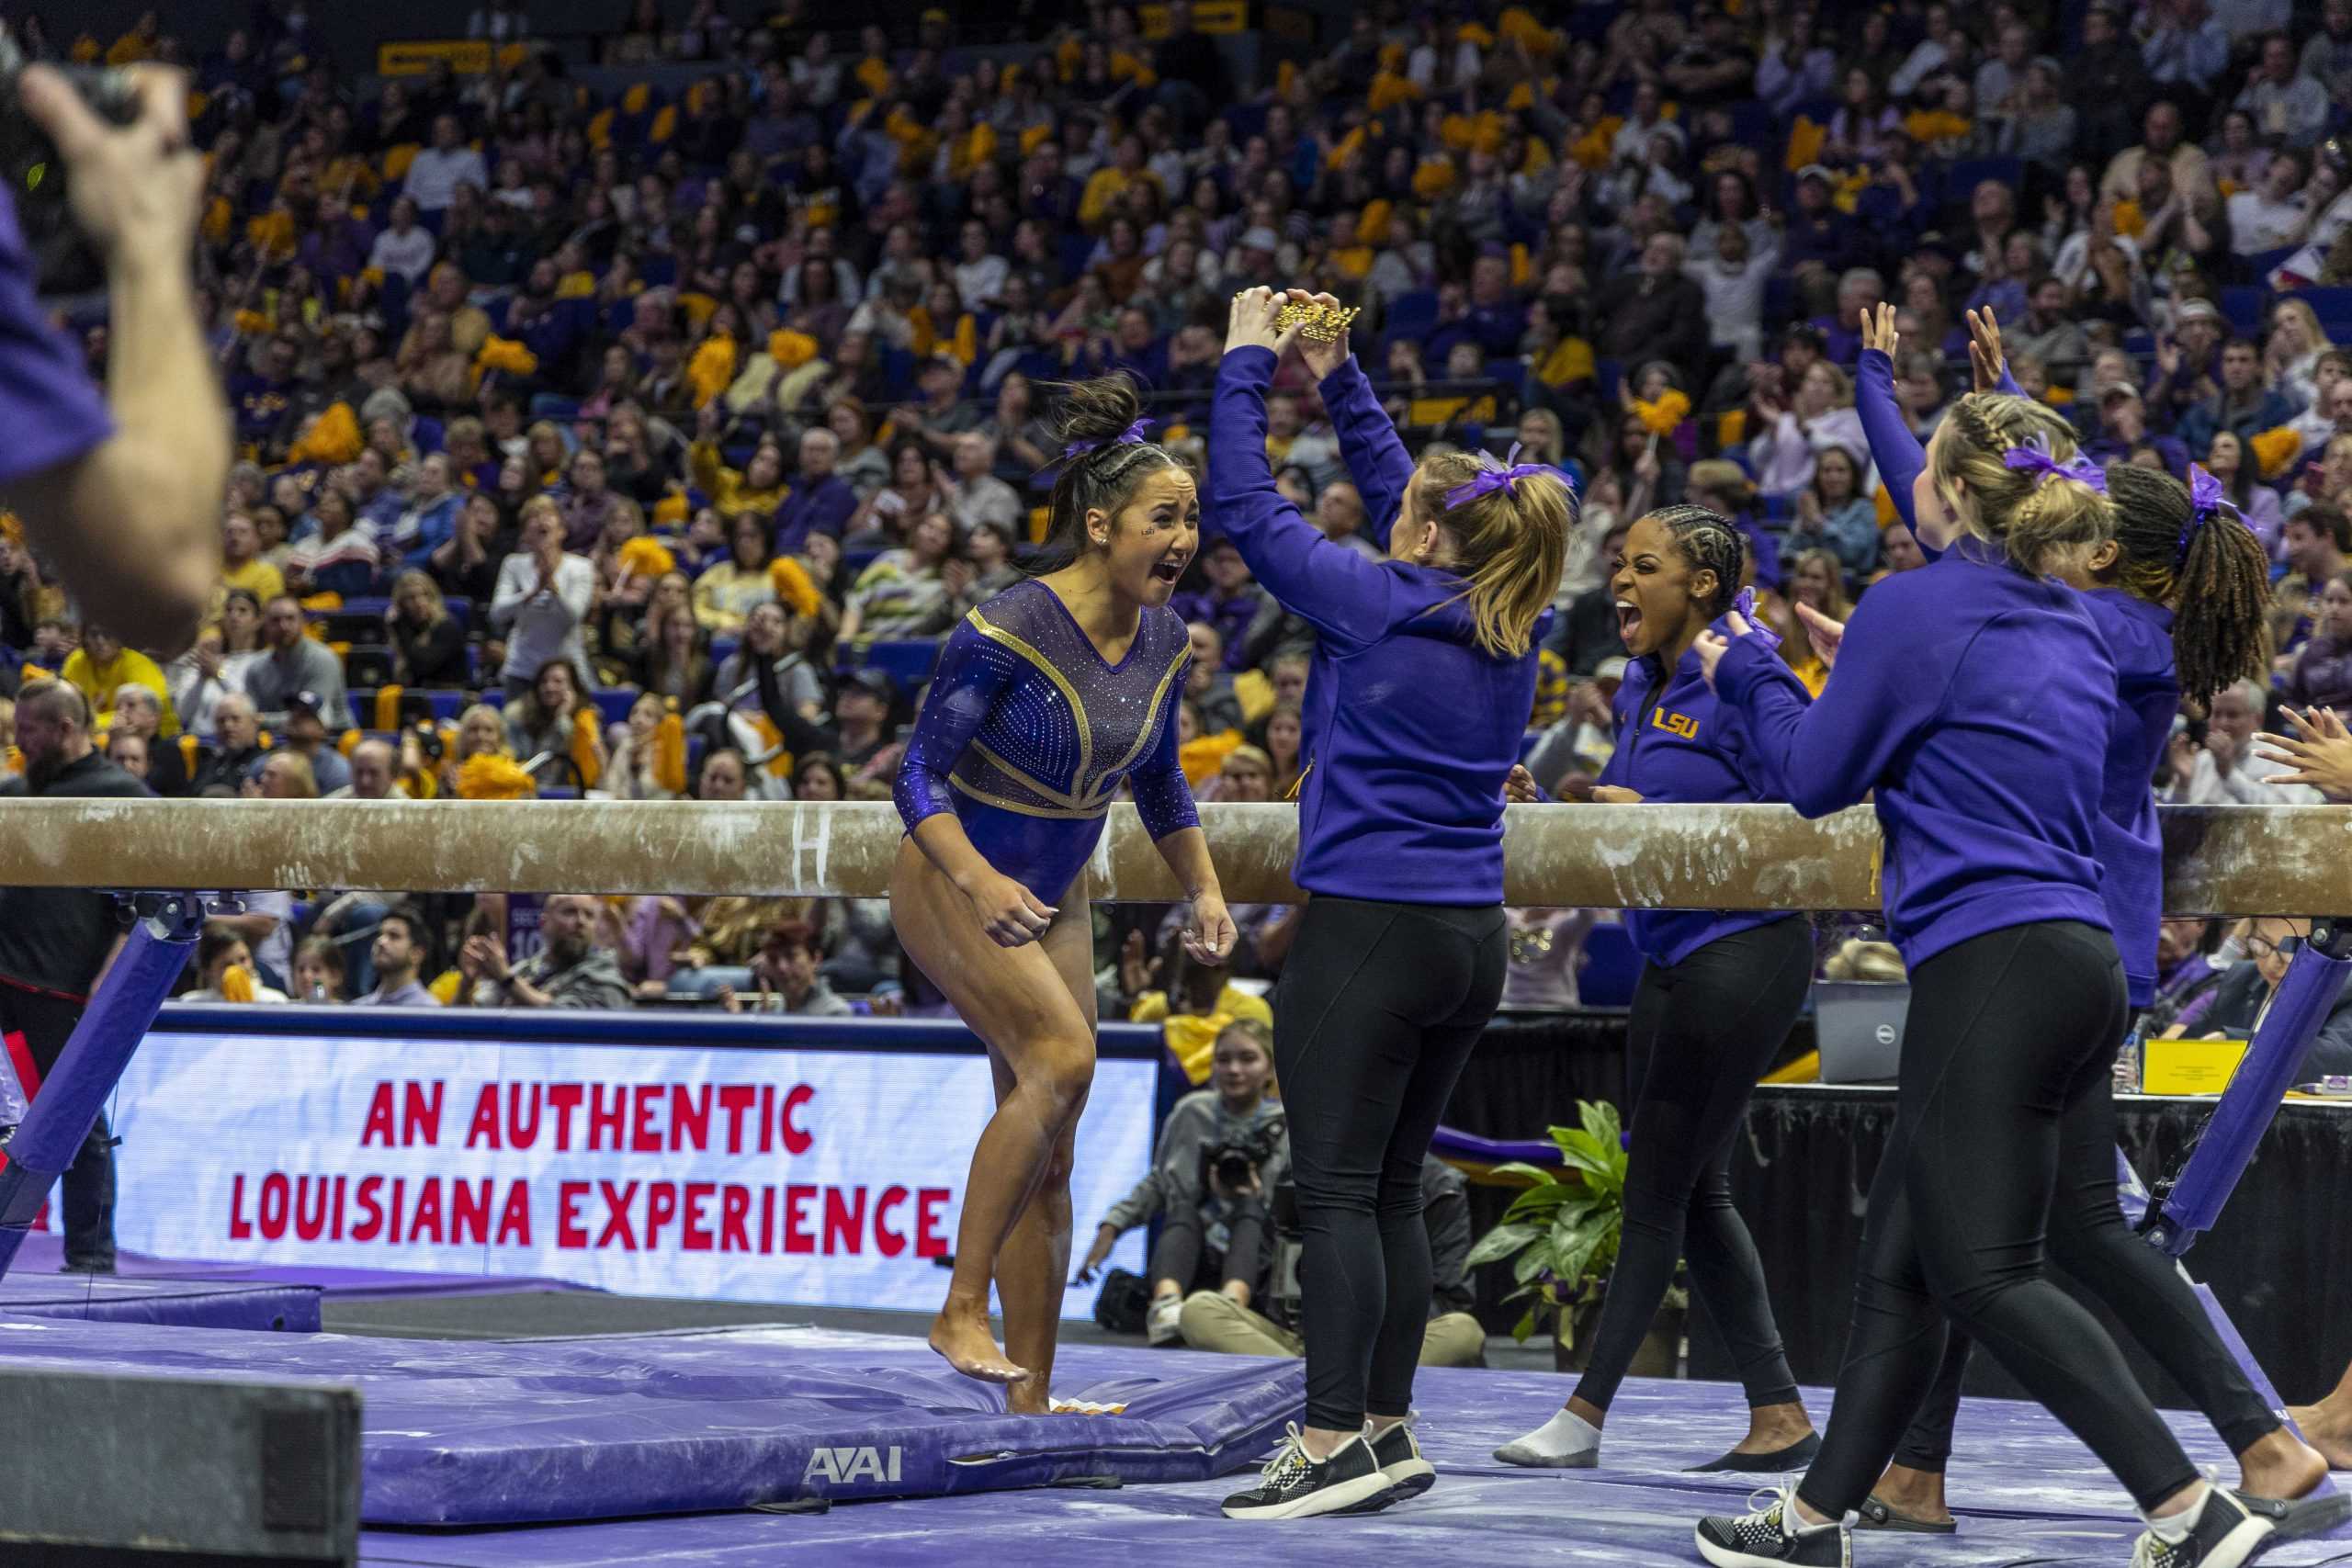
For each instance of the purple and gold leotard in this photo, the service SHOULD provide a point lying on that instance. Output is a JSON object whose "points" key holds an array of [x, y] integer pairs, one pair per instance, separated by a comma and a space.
{"points": [[1027, 734]]}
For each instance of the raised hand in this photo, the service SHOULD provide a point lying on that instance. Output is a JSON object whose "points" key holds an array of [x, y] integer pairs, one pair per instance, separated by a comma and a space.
{"points": [[1822, 632], [1878, 329], [2319, 752], [1984, 355], [1321, 358]]}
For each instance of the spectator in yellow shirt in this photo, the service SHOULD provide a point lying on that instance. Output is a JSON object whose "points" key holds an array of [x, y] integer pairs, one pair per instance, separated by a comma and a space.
{"points": [[101, 666], [241, 565], [1194, 1009]]}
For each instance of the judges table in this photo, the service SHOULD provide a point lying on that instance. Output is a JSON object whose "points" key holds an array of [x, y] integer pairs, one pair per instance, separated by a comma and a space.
{"points": [[2280, 1258]]}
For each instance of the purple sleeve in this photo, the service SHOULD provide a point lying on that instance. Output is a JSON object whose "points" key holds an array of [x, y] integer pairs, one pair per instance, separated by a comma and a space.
{"points": [[1332, 587], [1893, 448], [1827, 755], [1163, 796], [51, 410], [1376, 459], [973, 674]]}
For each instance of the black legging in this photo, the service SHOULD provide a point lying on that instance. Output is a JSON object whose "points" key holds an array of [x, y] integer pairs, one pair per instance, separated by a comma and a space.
{"points": [[2008, 1035], [1700, 1032], [2145, 1290], [1182, 1252], [1378, 1008]]}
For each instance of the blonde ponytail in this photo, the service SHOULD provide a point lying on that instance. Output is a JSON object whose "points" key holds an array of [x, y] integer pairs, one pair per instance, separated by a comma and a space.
{"points": [[1511, 544]]}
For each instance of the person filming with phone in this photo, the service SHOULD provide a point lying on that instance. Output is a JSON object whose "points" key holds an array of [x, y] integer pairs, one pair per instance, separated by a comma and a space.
{"points": [[120, 487]]}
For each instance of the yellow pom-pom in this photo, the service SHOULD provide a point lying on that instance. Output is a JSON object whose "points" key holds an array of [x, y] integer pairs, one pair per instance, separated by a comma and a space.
{"points": [[670, 752], [486, 775]]}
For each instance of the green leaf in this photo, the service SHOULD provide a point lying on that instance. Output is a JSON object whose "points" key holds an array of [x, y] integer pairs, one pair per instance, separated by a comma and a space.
{"points": [[1501, 1242], [1525, 1172], [1539, 1201], [1524, 1327], [1531, 1262], [1599, 1119]]}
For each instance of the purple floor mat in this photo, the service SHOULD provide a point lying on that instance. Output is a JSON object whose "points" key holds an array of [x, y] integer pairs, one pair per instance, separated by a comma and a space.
{"points": [[2027, 1493], [43, 1251], [182, 1303], [606, 1426]]}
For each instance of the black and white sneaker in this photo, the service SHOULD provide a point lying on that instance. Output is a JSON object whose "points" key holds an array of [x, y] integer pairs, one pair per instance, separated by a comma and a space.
{"points": [[1772, 1535], [2229, 1531], [1294, 1486], [1399, 1458]]}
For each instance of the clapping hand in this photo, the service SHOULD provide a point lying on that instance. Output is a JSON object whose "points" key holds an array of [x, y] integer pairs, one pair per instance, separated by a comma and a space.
{"points": [[2320, 752]]}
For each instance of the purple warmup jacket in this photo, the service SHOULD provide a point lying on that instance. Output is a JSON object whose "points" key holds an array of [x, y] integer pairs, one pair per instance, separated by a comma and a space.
{"points": [[1409, 726]]}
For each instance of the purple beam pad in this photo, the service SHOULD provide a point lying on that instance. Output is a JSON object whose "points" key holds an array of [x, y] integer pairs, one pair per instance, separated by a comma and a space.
{"points": [[183, 1303], [525, 1431], [2250, 1102], [1451, 1143]]}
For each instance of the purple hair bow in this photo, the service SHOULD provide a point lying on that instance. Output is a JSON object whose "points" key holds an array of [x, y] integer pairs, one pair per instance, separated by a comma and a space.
{"points": [[2206, 497], [1133, 436], [1490, 480], [1743, 605], [2034, 458]]}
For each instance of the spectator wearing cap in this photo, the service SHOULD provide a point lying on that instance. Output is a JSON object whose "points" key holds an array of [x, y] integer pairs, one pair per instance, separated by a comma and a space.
{"points": [[2188, 365], [2123, 429], [1818, 238], [821, 501], [139, 715], [543, 598], [103, 666], [943, 416], [1714, 65], [2244, 406], [862, 718], [307, 737], [292, 662]]}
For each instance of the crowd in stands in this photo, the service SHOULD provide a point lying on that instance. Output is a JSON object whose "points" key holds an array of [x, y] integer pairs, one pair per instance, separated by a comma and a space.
{"points": [[641, 438]]}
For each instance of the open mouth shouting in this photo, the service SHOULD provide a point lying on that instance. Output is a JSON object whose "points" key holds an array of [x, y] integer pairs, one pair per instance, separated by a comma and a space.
{"points": [[1629, 621], [1167, 568]]}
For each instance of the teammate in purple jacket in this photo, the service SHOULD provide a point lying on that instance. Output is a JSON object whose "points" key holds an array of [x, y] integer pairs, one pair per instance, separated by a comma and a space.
{"points": [[1971, 704], [2179, 597], [1423, 676], [1718, 994]]}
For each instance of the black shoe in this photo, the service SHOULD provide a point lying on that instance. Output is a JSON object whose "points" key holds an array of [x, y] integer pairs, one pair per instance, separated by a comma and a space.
{"points": [[1399, 1458], [2231, 1531], [1779, 1462], [1762, 1539], [87, 1265], [2299, 1518], [1293, 1486]]}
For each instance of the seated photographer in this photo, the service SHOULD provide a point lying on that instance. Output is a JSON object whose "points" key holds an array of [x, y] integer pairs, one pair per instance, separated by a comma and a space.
{"points": [[1213, 1320], [1220, 1153]]}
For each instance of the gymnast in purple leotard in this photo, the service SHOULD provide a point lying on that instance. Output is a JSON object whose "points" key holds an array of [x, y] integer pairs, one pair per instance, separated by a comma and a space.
{"points": [[1047, 698]]}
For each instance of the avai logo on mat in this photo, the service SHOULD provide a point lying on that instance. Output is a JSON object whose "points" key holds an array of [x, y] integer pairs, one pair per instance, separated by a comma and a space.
{"points": [[839, 1465]]}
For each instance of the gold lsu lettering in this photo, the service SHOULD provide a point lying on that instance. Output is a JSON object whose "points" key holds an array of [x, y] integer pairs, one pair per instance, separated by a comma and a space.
{"points": [[1676, 722]]}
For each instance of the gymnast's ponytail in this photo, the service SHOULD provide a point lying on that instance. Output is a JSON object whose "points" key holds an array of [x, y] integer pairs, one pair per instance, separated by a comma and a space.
{"points": [[1511, 540], [1100, 427]]}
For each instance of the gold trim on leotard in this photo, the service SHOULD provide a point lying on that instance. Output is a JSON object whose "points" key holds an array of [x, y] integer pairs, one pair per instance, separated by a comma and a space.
{"points": [[1026, 808]]}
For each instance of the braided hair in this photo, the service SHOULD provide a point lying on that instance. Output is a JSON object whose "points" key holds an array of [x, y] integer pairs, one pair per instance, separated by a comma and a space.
{"points": [[1707, 541], [2039, 519], [2210, 569], [1095, 414]]}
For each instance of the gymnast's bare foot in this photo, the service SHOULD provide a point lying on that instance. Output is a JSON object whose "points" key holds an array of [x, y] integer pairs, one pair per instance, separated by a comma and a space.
{"points": [[962, 1337], [2278, 1466], [1028, 1397], [2327, 1430]]}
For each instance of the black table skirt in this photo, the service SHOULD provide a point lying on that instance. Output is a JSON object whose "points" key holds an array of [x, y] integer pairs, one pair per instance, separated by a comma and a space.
{"points": [[2280, 1258]]}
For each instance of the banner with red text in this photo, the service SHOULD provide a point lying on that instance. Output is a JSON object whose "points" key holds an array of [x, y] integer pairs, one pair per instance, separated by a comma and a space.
{"points": [[816, 1177]]}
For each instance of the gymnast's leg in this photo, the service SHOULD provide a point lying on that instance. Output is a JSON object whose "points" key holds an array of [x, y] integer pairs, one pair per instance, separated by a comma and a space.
{"points": [[1041, 1044]]}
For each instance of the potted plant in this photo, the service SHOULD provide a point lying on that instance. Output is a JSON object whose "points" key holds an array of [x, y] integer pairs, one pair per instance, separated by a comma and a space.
{"points": [[1561, 1236]]}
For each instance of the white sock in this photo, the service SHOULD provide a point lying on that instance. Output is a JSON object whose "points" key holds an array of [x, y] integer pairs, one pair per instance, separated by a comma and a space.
{"points": [[1564, 1434], [2173, 1528]]}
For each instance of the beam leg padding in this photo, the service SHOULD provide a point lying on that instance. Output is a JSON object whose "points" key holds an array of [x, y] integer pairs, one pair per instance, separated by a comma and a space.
{"points": [[2250, 1103], [61, 1116]]}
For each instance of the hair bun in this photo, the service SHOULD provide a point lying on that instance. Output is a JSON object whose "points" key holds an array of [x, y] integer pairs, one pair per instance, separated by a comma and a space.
{"points": [[1097, 410]]}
